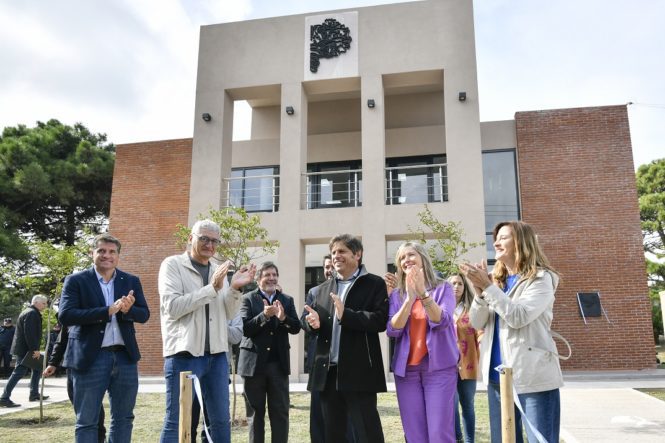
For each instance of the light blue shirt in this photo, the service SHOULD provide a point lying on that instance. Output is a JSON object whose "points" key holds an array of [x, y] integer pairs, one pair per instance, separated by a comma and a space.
{"points": [[112, 335]]}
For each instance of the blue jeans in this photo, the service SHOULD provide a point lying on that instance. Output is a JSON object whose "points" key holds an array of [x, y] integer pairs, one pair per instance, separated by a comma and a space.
{"points": [[543, 411], [113, 372], [494, 405], [466, 392], [213, 373], [19, 372]]}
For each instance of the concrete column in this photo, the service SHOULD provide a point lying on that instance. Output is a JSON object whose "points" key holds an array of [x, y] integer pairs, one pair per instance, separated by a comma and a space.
{"points": [[211, 154], [464, 158], [373, 167], [373, 188], [292, 163]]}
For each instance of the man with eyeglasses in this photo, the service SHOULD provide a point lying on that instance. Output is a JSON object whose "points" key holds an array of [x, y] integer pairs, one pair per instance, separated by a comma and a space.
{"points": [[196, 300]]}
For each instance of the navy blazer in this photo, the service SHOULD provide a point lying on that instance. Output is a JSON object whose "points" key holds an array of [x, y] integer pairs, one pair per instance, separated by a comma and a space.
{"points": [[259, 331], [83, 308]]}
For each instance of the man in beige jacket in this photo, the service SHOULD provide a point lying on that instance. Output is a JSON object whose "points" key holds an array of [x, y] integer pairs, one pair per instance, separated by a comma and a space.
{"points": [[195, 302]]}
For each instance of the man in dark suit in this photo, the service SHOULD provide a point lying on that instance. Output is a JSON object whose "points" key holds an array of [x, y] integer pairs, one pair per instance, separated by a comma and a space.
{"points": [[316, 433], [100, 306], [7, 331], [348, 314], [268, 316], [26, 341]]}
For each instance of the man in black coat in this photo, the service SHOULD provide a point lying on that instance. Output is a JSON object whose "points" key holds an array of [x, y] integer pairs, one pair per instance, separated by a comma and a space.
{"points": [[268, 316], [348, 314], [26, 342], [7, 331]]}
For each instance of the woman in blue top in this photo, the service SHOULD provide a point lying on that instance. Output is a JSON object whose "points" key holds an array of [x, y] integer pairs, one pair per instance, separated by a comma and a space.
{"points": [[515, 310]]}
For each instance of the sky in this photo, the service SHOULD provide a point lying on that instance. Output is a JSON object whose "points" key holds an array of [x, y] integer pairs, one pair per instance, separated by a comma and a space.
{"points": [[127, 68]]}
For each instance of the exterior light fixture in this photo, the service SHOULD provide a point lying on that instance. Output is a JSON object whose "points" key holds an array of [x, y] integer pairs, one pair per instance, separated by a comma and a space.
{"points": [[371, 104], [290, 110], [462, 96], [206, 117]]}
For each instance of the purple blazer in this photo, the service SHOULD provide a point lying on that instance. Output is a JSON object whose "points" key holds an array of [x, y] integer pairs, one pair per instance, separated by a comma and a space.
{"points": [[441, 338]]}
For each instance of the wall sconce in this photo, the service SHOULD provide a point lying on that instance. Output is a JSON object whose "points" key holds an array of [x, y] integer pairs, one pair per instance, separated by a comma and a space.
{"points": [[462, 96], [290, 110], [206, 117], [371, 104]]}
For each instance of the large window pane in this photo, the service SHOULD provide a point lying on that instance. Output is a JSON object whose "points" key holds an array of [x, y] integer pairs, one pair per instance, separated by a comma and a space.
{"points": [[256, 189], [501, 193], [407, 182], [330, 186]]}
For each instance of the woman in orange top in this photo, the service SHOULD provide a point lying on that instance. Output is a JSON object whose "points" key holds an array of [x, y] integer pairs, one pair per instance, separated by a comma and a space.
{"points": [[420, 318], [467, 342]]}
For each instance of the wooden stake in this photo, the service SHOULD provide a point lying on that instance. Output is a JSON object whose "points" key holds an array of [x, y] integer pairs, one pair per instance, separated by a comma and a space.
{"points": [[185, 422], [507, 406]]}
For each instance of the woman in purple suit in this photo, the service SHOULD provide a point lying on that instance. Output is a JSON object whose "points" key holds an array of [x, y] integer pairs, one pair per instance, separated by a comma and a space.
{"points": [[425, 358]]}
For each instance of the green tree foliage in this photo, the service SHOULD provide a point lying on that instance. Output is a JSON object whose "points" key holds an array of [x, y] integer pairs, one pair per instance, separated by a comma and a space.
{"points": [[449, 244], [651, 192], [54, 179], [242, 236]]}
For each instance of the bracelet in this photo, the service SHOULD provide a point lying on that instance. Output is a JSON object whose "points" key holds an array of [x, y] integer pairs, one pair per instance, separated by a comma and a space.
{"points": [[425, 296]]}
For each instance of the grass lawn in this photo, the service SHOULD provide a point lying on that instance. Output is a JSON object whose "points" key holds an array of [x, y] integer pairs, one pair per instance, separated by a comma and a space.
{"points": [[23, 427], [658, 393]]}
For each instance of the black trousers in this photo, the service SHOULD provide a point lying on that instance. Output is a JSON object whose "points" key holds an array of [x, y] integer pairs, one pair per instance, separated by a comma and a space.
{"points": [[273, 385], [340, 407]]}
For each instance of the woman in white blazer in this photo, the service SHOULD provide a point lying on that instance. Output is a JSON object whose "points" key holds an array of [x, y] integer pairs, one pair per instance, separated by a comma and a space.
{"points": [[514, 308]]}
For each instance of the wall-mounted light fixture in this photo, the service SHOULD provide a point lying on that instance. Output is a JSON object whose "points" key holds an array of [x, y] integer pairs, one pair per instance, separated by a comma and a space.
{"points": [[462, 96], [290, 110], [206, 117], [371, 104]]}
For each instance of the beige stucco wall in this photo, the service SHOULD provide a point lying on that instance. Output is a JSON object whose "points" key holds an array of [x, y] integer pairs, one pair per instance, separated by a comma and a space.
{"points": [[263, 61]]}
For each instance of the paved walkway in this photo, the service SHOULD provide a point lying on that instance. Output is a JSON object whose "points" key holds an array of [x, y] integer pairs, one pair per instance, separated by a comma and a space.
{"points": [[595, 406]]}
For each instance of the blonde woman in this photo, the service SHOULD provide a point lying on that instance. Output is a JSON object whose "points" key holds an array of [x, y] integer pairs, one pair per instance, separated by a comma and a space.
{"points": [[515, 310], [467, 342], [420, 318]]}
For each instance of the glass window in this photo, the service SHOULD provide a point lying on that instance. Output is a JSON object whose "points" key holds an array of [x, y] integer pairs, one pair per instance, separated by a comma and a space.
{"points": [[334, 185], [255, 189], [406, 182], [501, 192]]}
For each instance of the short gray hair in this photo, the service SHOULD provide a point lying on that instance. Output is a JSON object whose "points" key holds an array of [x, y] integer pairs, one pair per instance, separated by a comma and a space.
{"points": [[39, 298], [206, 225]]}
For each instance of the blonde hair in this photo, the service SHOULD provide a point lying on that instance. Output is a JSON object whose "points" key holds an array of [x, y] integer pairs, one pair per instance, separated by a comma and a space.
{"points": [[529, 256], [431, 280]]}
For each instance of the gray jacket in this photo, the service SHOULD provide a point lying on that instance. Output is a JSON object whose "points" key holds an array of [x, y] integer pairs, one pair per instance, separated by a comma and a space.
{"points": [[525, 332], [183, 298]]}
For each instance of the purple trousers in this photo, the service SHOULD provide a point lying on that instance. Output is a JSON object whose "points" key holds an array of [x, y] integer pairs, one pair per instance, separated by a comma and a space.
{"points": [[427, 403]]}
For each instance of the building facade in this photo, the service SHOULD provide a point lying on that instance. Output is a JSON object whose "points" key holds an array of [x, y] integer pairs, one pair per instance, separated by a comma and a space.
{"points": [[359, 118]]}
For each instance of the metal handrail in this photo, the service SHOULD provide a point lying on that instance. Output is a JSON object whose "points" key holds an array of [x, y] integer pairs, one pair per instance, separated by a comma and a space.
{"points": [[441, 185], [274, 187], [352, 190]]}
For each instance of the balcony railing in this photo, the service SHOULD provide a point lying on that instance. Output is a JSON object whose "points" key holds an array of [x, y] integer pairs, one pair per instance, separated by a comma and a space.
{"points": [[257, 193], [417, 184], [333, 189]]}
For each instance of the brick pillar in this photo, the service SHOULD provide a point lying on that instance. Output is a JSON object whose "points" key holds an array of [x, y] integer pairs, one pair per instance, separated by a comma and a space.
{"points": [[577, 185], [150, 197]]}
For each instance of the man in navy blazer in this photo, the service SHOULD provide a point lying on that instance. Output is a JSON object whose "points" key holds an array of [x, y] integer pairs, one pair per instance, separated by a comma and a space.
{"points": [[100, 306], [268, 317]]}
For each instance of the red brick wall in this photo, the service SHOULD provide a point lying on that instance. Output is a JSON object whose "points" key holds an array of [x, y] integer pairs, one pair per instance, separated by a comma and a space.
{"points": [[150, 196], [577, 186]]}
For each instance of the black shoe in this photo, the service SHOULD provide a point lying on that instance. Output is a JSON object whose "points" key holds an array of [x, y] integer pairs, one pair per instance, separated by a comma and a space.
{"points": [[36, 397], [7, 403]]}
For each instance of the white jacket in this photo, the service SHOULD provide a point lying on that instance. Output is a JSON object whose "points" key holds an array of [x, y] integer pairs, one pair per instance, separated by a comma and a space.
{"points": [[524, 330], [183, 298]]}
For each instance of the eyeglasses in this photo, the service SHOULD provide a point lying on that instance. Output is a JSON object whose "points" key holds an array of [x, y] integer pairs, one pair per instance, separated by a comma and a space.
{"points": [[206, 240]]}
